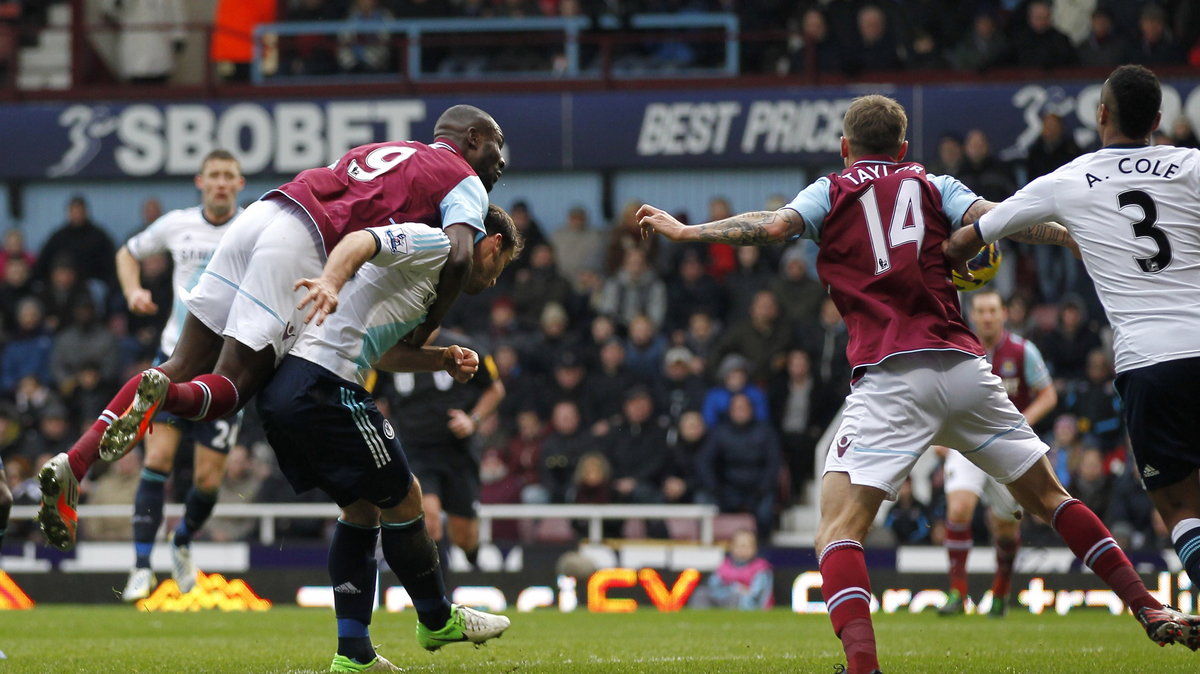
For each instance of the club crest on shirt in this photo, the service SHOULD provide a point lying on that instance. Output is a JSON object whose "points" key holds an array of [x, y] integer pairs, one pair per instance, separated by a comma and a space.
{"points": [[843, 444], [387, 430], [398, 242], [1008, 368]]}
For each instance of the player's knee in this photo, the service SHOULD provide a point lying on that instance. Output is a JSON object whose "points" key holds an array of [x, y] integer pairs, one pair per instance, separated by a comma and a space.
{"points": [[209, 481], [361, 513]]}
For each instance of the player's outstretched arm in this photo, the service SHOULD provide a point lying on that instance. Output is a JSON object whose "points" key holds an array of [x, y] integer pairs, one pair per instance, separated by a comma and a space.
{"points": [[460, 362], [451, 281], [129, 274], [351, 253], [1048, 233], [747, 229]]}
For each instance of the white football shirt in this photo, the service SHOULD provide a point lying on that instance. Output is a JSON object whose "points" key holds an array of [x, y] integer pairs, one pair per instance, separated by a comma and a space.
{"points": [[1135, 213], [190, 239], [384, 301]]}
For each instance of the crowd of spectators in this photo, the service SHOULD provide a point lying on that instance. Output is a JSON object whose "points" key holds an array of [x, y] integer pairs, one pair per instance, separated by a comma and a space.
{"points": [[826, 37], [637, 370]]}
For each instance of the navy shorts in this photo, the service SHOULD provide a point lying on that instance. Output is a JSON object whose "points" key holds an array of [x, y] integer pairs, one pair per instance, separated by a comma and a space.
{"points": [[1163, 419], [451, 473], [328, 434], [219, 435]]}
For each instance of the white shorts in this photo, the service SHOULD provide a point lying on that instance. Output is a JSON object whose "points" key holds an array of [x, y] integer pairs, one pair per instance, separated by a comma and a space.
{"points": [[246, 290], [910, 401], [962, 475]]}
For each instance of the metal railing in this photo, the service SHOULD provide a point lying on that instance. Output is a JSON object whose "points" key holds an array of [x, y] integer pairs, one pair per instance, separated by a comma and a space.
{"points": [[268, 513]]}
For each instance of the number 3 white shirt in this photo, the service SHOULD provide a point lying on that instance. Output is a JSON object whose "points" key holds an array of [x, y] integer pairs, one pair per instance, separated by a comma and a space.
{"points": [[1135, 213], [384, 301]]}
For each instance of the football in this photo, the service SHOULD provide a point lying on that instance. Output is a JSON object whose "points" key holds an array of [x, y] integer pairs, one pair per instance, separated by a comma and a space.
{"points": [[983, 268]]}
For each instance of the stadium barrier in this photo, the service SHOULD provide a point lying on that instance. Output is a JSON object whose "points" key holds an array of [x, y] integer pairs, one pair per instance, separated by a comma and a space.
{"points": [[268, 513]]}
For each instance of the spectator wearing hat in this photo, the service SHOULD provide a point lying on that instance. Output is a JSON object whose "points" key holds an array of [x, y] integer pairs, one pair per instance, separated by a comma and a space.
{"points": [[566, 382], [799, 293], [734, 375], [680, 388], [738, 465]]}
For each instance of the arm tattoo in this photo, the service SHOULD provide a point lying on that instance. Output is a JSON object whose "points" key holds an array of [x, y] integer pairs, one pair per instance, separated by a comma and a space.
{"points": [[747, 229], [1046, 232], [977, 210]]}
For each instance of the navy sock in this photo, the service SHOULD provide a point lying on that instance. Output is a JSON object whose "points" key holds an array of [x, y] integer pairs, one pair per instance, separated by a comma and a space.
{"points": [[352, 572], [1186, 537], [413, 556], [199, 506], [147, 514]]}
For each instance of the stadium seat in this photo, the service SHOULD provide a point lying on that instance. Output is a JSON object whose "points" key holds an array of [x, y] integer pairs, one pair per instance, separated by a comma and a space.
{"points": [[684, 530], [553, 530], [727, 524], [633, 529]]}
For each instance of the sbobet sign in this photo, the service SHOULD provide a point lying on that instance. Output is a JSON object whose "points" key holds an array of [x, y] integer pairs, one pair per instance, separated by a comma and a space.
{"points": [[622, 590]]}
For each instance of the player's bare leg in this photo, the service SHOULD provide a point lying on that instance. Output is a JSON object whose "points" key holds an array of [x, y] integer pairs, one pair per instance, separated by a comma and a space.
{"points": [[148, 503], [1040, 493], [1179, 505], [209, 471], [1006, 538], [464, 532], [240, 372], [432, 506], [960, 510], [847, 511], [195, 354]]}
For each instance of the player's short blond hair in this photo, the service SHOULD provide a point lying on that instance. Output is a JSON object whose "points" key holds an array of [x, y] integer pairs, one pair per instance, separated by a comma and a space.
{"points": [[875, 124]]}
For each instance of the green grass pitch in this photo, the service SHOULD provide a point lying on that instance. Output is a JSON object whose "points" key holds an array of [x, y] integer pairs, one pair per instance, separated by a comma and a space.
{"points": [[62, 638]]}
